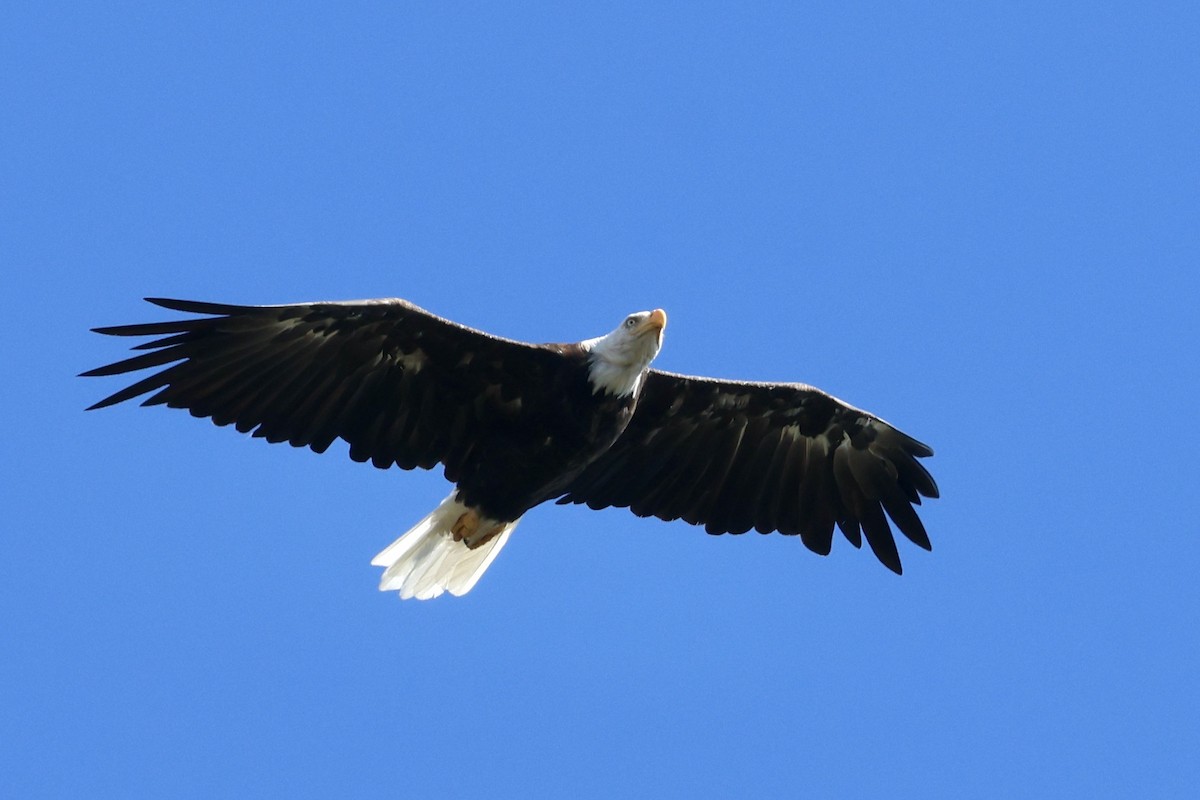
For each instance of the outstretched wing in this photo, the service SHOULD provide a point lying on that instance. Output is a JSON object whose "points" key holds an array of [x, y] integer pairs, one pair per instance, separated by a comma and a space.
{"points": [[397, 383], [773, 457]]}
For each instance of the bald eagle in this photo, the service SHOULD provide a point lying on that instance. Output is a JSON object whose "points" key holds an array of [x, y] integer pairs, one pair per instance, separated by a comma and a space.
{"points": [[515, 425]]}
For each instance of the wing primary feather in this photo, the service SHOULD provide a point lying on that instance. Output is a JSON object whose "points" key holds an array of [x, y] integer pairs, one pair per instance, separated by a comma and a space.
{"points": [[249, 400], [850, 528], [898, 508], [155, 328], [324, 402], [398, 435], [849, 500], [232, 371], [290, 416], [421, 436], [306, 367], [879, 536], [669, 454], [733, 509], [907, 521], [336, 423], [712, 482], [791, 478], [147, 384], [912, 446], [310, 372], [200, 307], [654, 454], [687, 470], [851, 469], [145, 361], [612, 486], [166, 341], [816, 512], [207, 369], [920, 477], [381, 419], [761, 495], [769, 494]]}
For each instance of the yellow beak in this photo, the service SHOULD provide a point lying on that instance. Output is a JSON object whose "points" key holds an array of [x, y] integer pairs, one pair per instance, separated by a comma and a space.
{"points": [[656, 321]]}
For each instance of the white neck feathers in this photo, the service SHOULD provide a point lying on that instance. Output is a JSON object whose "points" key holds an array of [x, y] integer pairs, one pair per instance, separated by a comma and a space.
{"points": [[617, 362], [614, 377]]}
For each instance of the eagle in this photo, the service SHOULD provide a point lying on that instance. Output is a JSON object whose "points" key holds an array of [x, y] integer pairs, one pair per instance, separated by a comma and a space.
{"points": [[514, 425]]}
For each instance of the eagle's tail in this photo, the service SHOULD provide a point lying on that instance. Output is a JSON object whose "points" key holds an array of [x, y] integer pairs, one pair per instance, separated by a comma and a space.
{"points": [[427, 560]]}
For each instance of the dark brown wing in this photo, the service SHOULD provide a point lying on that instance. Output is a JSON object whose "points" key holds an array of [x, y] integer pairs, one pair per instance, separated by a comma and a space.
{"points": [[398, 383], [772, 457]]}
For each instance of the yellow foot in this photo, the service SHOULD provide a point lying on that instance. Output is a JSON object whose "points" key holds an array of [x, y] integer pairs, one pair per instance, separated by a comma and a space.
{"points": [[465, 527], [469, 530]]}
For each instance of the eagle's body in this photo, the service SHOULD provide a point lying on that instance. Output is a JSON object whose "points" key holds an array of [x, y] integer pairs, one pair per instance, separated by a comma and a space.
{"points": [[536, 443], [515, 425]]}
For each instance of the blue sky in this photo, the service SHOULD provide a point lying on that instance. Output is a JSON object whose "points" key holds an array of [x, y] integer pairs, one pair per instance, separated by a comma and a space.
{"points": [[977, 220]]}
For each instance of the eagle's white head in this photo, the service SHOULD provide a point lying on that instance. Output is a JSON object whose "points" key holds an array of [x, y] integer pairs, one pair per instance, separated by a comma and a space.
{"points": [[618, 360]]}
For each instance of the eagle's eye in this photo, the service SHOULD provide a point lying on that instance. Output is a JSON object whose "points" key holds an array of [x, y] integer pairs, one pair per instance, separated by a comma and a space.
{"points": [[630, 321]]}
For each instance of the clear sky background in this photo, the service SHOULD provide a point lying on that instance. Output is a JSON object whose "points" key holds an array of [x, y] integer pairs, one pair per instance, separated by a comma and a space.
{"points": [[980, 221]]}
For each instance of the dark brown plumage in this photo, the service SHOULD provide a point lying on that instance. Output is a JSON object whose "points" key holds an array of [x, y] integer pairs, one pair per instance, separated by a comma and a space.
{"points": [[770, 457]]}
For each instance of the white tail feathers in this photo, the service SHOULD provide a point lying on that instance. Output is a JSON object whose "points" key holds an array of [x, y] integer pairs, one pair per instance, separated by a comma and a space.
{"points": [[427, 561]]}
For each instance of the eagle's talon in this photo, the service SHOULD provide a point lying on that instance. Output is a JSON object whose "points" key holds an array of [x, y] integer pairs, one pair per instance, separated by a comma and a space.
{"points": [[465, 528]]}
